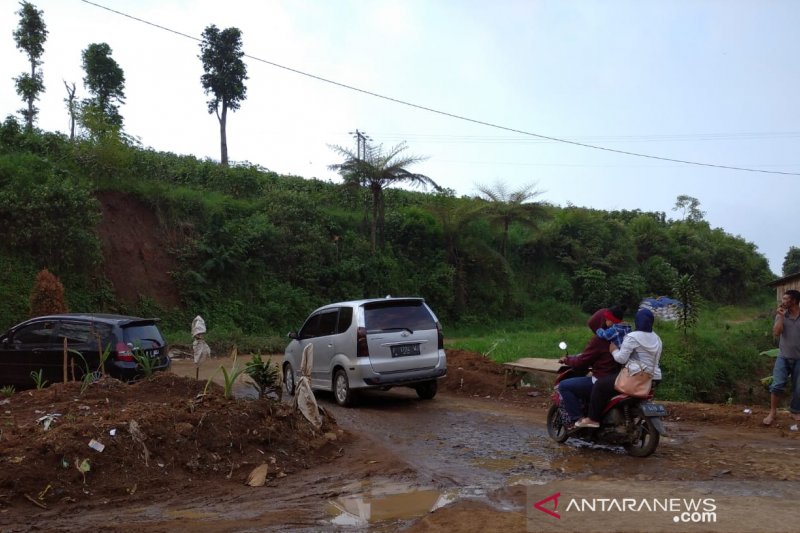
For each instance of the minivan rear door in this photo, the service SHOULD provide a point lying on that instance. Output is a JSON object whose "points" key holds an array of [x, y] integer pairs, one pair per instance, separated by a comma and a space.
{"points": [[401, 335]]}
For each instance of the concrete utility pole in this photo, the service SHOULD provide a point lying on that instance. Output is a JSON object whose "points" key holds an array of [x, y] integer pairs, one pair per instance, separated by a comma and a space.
{"points": [[361, 143]]}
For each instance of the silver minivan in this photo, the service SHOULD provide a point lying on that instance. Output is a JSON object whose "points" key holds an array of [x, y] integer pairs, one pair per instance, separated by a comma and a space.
{"points": [[376, 343]]}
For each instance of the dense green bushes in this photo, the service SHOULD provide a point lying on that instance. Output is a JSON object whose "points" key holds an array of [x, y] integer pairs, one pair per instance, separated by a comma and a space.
{"points": [[257, 251]]}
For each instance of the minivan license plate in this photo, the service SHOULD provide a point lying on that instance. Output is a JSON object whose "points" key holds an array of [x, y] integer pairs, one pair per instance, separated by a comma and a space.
{"points": [[402, 350]]}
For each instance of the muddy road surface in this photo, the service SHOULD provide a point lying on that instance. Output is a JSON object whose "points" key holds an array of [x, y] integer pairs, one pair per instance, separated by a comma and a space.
{"points": [[467, 462]]}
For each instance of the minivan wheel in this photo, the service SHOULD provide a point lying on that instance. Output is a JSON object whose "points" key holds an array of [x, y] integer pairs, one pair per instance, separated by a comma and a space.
{"points": [[288, 378], [427, 390], [341, 389]]}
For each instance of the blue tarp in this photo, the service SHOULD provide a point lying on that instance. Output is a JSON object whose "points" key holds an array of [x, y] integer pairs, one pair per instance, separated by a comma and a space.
{"points": [[661, 301]]}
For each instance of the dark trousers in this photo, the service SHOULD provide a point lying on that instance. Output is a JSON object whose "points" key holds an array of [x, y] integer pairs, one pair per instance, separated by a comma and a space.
{"points": [[602, 392]]}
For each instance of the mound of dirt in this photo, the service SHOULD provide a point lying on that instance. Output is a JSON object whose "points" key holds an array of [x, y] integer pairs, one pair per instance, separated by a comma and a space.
{"points": [[472, 374], [156, 436]]}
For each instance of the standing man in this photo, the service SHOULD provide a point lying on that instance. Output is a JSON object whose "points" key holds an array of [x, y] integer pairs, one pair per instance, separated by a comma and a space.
{"points": [[787, 365]]}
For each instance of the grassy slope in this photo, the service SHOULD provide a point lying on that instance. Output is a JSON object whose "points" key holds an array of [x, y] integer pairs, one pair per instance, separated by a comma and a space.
{"points": [[718, 361]]}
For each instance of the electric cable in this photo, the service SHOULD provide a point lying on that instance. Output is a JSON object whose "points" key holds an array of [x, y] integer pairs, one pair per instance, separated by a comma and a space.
{"points": [[453, 115]]}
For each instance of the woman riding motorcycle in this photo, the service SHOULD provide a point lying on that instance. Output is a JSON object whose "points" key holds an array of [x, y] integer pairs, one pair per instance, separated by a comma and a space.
{"points": [[596, 356]]}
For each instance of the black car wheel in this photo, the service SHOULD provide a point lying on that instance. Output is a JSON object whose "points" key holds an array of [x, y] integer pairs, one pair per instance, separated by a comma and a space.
{"points": [[427, 390]]}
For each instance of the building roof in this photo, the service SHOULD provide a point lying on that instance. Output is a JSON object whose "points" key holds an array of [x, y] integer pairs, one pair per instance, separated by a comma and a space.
{"points": [[785, 279]]}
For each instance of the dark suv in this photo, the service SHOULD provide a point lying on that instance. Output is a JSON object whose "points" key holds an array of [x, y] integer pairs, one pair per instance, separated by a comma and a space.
{"points": [[38, 344]]}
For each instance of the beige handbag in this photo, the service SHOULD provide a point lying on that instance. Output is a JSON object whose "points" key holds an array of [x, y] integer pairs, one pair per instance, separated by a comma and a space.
{"points": [[637, 385]]}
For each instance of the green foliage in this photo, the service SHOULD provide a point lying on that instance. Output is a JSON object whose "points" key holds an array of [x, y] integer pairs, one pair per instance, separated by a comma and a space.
{"points": [[791, 263], [256, 252], [685, 291], [224, 75], [592, 289], [228, 377], [720, 360], [266, 375], [30, 36], [105, 81], [38, 379], [7, 390]]}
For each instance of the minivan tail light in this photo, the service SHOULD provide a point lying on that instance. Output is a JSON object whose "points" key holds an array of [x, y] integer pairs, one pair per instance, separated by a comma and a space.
{"points": [[440, 336], [362, 350], [124, 352]]}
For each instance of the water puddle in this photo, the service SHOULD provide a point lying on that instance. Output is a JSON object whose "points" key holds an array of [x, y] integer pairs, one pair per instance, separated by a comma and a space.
{"points": [[378, 501]]}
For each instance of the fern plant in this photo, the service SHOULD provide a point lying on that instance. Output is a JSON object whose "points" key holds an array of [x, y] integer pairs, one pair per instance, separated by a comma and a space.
{"points": [[265, 375]]}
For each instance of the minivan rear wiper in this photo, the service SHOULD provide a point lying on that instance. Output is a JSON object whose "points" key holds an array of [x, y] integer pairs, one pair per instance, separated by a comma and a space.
{"points": [[401, 329]]}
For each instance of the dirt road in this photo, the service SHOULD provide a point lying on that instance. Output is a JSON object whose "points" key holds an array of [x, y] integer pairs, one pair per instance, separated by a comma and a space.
{"points": [[463, 463]]}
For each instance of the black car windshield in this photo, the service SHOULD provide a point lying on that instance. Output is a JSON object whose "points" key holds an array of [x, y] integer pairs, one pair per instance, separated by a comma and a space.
{"points": [[408, 315]]}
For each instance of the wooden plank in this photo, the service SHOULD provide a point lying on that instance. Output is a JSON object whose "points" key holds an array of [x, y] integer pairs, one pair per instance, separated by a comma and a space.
{"points": [[535, 363]]}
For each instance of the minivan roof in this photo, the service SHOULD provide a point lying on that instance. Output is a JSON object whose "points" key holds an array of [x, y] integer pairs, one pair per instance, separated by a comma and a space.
{"points": [[358, 303]]}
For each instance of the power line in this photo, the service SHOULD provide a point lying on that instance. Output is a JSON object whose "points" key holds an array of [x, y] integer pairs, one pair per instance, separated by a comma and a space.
{"points": [[453, 115]]}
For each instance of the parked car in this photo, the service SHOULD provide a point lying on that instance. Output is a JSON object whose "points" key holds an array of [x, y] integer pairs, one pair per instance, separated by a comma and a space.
{"points": [[38, 344], [376, 343]]}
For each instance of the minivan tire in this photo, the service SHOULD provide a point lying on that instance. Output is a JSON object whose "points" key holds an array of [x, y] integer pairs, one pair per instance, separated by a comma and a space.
{"points": [[342, 392], [427, 390], [288, 379]]}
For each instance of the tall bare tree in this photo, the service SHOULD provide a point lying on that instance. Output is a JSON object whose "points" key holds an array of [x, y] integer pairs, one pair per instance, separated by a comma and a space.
{"points": [[72, 107], [377, 171], [225, 72], [30, 35]]}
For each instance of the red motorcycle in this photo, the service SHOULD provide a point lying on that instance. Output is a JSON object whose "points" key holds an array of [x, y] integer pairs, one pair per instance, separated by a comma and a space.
{"points": [[633, 423]]}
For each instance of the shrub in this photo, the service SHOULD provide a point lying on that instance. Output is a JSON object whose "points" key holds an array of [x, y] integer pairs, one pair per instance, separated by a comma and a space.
{"points": [[47, 297]]}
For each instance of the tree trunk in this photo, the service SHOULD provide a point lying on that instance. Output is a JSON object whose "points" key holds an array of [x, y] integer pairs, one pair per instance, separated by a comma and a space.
{"points": [[223, 138], [31, 97], [376, 191]]}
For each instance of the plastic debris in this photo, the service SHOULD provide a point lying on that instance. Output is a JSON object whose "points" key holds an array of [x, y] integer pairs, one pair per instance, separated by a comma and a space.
{"points": [[258, 477], [112, 432], [793, 427], [97, 445], [47, 420], [748, 411]]}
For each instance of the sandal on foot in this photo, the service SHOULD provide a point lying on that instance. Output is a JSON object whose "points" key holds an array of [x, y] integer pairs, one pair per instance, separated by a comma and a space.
{"points": [[586, 423], [768, 420]]}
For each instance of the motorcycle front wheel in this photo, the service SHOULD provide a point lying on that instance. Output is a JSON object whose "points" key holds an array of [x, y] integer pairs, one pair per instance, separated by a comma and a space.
{"points": [[646, 437], [555, 428]]}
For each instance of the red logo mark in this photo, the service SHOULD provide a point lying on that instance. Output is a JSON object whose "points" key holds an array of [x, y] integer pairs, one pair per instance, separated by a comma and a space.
{"points": [[540, 505]]}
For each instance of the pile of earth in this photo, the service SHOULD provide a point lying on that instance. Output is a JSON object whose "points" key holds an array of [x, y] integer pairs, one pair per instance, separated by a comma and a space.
{"points": [[114, 441]]}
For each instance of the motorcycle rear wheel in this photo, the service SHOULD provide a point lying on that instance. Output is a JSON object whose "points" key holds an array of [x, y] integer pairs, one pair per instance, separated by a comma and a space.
{"points": [[646, 437], [555, 428]]}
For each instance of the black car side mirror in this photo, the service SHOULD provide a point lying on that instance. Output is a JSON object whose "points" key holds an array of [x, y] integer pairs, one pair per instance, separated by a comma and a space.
{"points": [[292, 335]]}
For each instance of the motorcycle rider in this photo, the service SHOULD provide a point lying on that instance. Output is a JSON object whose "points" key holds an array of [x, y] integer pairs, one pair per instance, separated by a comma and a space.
{"points": [[595, 356]]}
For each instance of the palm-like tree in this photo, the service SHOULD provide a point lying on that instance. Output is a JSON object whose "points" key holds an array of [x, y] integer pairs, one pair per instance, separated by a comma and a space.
{"points": [[378, 171], [505, 207]]}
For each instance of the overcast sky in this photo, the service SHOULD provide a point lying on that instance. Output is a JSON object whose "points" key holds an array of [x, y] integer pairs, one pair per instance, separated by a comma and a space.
{"points": [[714, 82]]}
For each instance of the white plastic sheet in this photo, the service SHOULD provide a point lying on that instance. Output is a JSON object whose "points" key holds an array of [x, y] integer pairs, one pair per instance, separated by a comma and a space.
{"points": [[200, 349], [303, 396]]}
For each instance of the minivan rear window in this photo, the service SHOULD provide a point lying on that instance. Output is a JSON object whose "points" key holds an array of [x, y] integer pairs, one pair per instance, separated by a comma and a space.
{"points": [[382, 316]]}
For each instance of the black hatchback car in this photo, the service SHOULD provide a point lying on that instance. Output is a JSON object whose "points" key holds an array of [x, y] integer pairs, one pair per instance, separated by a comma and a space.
{"points": [[38, 344]]}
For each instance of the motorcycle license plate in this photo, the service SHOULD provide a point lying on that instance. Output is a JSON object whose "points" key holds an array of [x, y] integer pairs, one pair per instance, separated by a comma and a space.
{"points": [[653, 409]]}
